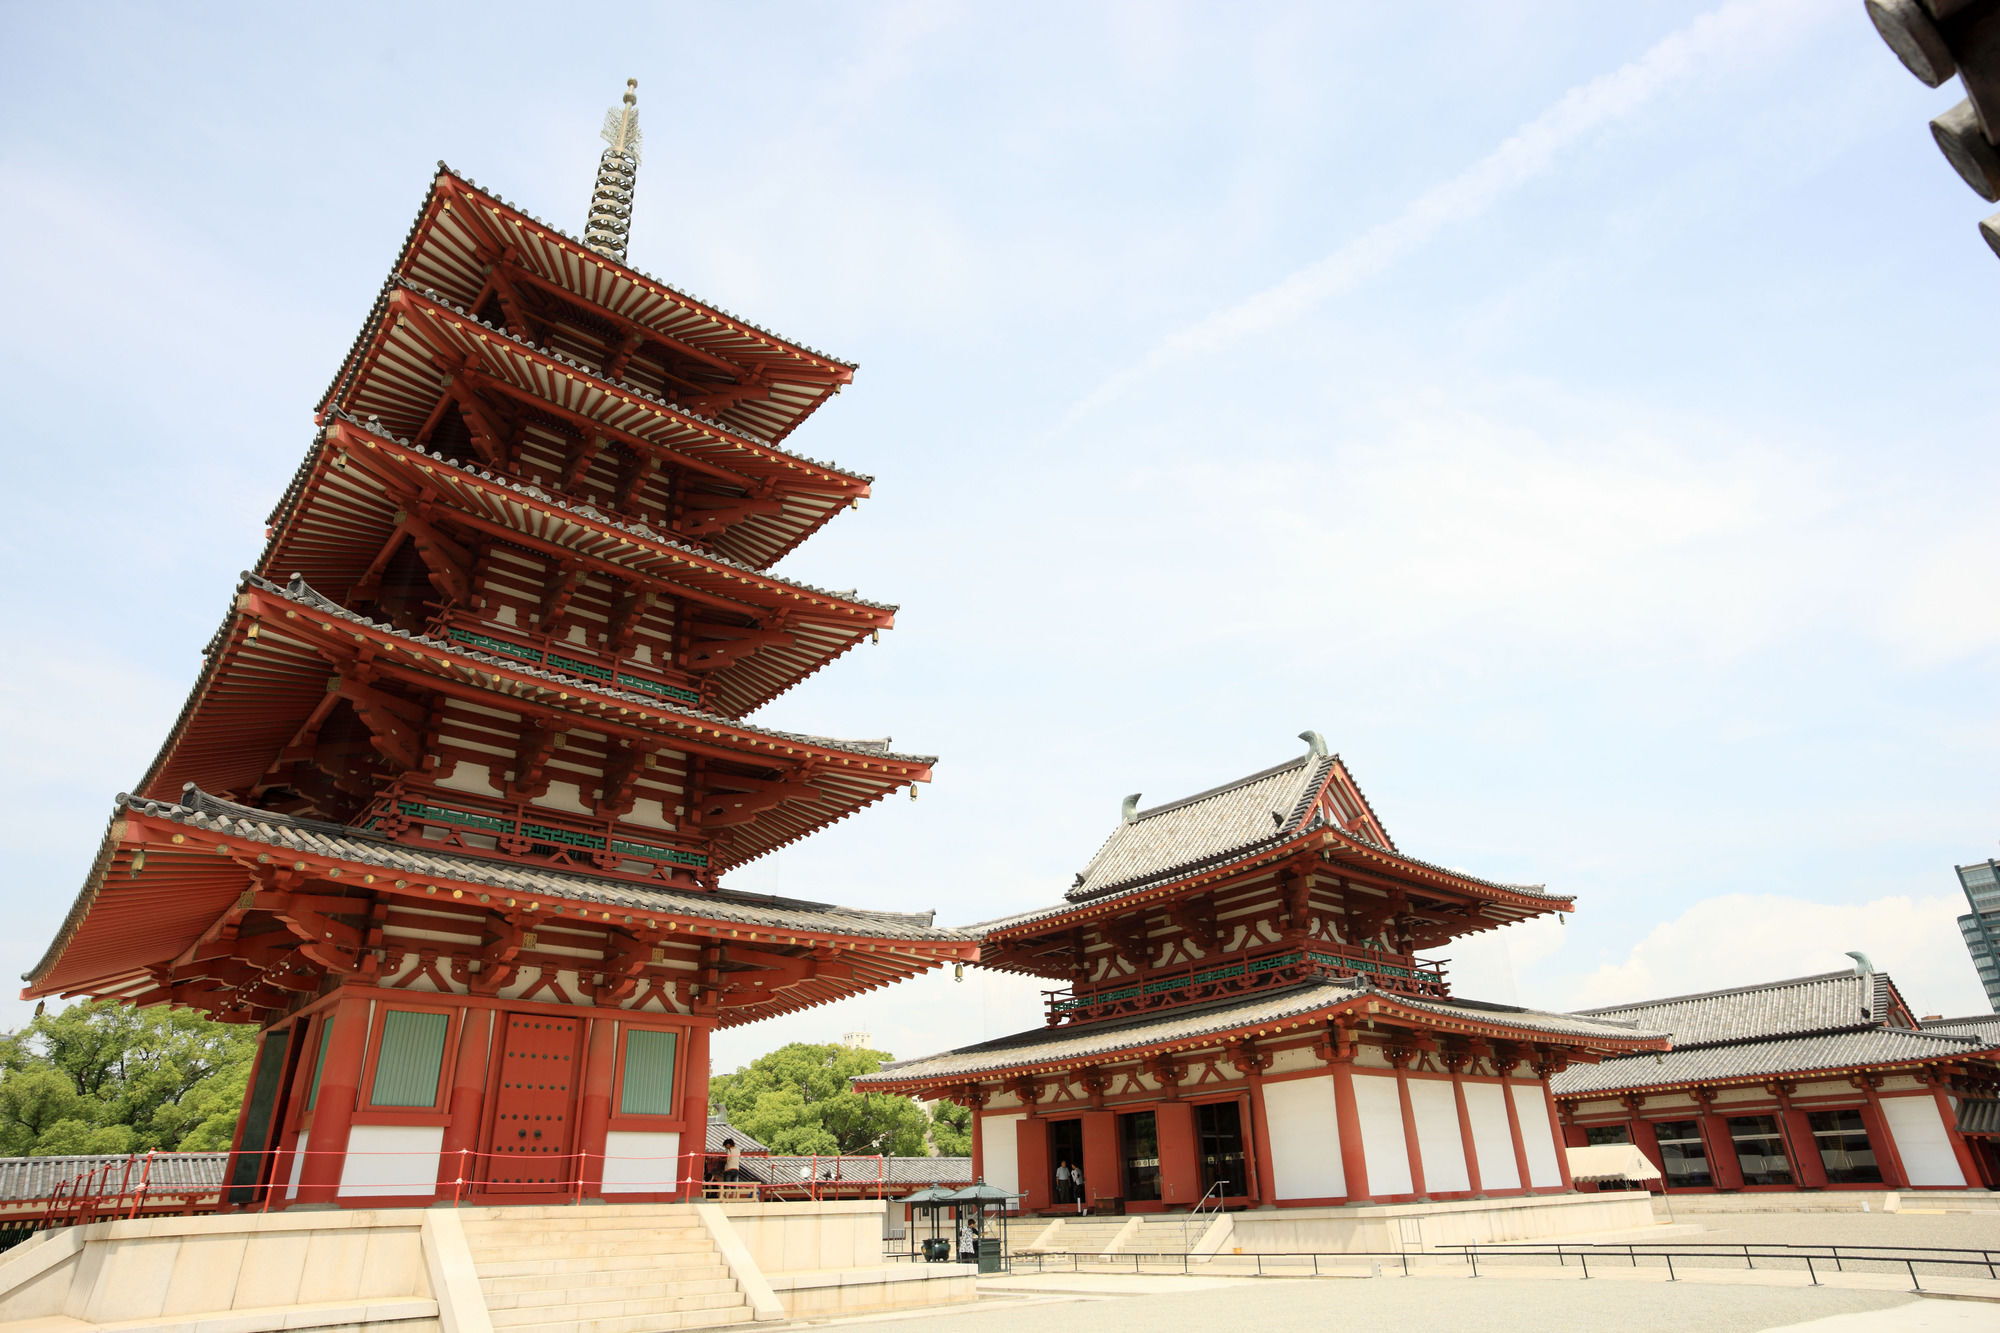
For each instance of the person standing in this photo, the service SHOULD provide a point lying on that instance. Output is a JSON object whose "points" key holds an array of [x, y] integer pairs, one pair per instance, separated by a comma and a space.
{"points": [[732, 1161], [968, 1239], [1076, 1187], [1062, 1182]]}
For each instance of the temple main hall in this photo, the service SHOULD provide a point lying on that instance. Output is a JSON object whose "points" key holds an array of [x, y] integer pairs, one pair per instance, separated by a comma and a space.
{"points": [[449, 808], [1241, 1016]]}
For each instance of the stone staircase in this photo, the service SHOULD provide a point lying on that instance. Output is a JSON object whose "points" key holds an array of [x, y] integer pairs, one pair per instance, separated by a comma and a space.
{"points": [[601, 1270], [1079, 1235], [1146, 1233]]}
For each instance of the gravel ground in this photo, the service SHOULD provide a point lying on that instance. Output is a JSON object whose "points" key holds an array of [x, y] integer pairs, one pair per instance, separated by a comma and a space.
{"points": [[1273, 1305]]}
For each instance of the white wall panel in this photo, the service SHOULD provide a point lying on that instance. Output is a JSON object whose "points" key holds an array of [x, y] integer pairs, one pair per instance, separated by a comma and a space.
{"points": [[1921, 1140], [1492, 1141], [1440, 1146], [999, 1151], [647, 1162], [1537, 1135], [391, 1159], [1305, 1139], [1382, 1144]]}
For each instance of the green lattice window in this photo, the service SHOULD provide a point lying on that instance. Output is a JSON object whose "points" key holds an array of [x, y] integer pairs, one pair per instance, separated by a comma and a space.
{"points": [[410, 1060], [649, 1073]]}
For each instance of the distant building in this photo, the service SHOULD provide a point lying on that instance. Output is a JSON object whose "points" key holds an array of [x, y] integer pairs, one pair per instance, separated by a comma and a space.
{"points": [[1981, 926]]}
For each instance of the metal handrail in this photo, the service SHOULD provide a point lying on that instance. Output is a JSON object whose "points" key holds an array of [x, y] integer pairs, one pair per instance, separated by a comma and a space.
{"points": [[1215, 1190]]}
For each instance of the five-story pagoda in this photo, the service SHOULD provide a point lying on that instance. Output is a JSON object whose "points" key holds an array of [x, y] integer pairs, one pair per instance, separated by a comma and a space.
{"points": [[448, 808]]}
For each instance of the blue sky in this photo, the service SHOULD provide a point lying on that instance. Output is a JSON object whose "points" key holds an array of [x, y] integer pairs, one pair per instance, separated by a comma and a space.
{"points": [[1570, 410]]}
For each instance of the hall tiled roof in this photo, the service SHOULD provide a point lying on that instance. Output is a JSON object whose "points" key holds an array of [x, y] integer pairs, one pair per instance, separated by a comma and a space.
{"points": [[1984, 1026], [1829, 1002], [1200, 830], [1096, 1042], [168, 1173], [1753, 1061]]}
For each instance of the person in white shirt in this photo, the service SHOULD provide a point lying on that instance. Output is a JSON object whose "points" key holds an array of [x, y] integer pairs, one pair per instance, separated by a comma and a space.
{"points": [[1062, 1182]]}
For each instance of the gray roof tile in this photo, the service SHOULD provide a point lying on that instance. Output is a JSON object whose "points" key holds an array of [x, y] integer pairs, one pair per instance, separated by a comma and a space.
{"points": [[168, 1173], [1752, 1060], [1825, 1003], [1106, 1040]]}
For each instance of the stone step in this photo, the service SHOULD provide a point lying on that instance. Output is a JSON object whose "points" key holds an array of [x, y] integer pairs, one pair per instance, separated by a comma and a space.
{"points": [[547, 1287], [592, 1275], [617, 1226], [658, 1322], [513, 1247], [666, 1242], [580, 1215], [614, 1309], [639, 1267]]}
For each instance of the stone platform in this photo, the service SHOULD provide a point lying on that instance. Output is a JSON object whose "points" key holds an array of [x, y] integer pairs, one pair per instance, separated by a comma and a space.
{"points": [[620, 1268]]}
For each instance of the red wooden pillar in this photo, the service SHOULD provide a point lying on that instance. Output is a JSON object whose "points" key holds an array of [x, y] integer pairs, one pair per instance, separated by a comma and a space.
{"points": [[1514, 1129], [978, 1142], [1648, 1139], [1968, 1164], [1555, 1121], [1879, 1137], [1465, 1133], [1102, 1176], [1808, 1172], [1260, 1126], [594, 1116], [456, 1162], [333, 1109], [1722, 1164], [1031, 1156], [1410, 1145], [1347, 1116], [1180, 1169]]}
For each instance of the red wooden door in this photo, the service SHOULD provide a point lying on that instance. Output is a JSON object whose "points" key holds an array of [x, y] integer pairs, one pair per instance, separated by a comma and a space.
{"points": [[534, 1107]]}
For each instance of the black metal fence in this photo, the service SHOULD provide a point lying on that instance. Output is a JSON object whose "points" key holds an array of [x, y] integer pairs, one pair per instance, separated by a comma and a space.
{"points": [[1917, 1262]]}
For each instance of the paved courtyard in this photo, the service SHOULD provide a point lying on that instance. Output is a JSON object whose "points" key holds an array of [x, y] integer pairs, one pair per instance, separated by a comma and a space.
{"points": [[1108, 1304]]}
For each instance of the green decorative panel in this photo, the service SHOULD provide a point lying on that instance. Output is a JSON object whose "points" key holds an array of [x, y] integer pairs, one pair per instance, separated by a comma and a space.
{"points": [[487, 643], [411, 1058], [649, 1073], [463, 818], [319, 1062], [559, 663], [566, 837], [654, 687], [653, 853]]}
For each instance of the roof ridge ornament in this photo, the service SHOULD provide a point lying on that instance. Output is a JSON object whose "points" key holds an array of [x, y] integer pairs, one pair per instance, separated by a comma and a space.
{"points": [[1128, 812], [609, 227], [1315, 743], [1862, 966]]}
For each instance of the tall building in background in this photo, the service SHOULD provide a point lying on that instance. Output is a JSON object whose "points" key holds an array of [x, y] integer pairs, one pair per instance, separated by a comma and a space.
{"points": [[1981, 926], [449, 808]]}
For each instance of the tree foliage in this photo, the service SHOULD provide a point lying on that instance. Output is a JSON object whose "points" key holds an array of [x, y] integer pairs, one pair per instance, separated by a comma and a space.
{"points": [[104, 1077], [951, 1129], [797, 1100]]}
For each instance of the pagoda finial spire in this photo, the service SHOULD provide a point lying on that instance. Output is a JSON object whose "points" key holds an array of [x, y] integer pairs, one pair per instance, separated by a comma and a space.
{"points": [[610, 224]]}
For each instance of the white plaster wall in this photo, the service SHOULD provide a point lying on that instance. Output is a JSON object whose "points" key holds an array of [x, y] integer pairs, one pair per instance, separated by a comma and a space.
{"points": [[298, 1164], [1492, 1141], [1000, 1151], [1439, 1143], [1382, 1145], [641, 1162], [1537, 1135], [1921, 1140], [392, 1160], [1305, 1139]]}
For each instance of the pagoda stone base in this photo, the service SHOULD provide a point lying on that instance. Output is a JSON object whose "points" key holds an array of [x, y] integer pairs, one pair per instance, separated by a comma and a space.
{"points": [[1427, 1226], [445, 1270]]}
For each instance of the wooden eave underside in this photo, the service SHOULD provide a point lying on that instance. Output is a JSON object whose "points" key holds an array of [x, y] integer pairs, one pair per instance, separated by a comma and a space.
{"points": [[1299, 1030], [159, 889], [464, 233], [261, 688], [1470, 906], [418, 343], [359, 488]]}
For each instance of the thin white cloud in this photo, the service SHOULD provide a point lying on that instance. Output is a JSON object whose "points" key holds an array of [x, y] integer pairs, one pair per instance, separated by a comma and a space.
{"points": [[1732, 34]]}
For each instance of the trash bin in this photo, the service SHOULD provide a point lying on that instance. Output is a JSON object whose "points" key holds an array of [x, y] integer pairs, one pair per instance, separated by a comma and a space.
{"points": [[937, 1249], [989, 1255]]}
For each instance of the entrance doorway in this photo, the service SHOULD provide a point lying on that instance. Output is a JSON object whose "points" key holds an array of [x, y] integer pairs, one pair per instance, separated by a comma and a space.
{"points": [[1218, 1140], [1065, 1149], [1139, 1152], [534, 1100]]}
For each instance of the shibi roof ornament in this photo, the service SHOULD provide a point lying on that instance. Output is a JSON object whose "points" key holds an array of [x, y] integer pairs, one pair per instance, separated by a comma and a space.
{"points": [[610, 224]]}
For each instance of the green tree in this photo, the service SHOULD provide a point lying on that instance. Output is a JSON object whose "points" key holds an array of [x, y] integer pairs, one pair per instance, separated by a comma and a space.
{"points": [[103, 1077], [798, 1099], [951, 1129]]}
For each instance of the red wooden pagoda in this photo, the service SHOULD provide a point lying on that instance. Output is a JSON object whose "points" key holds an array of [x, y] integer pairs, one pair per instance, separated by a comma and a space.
{"points": [[1244, 1019], [448, 809]]}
